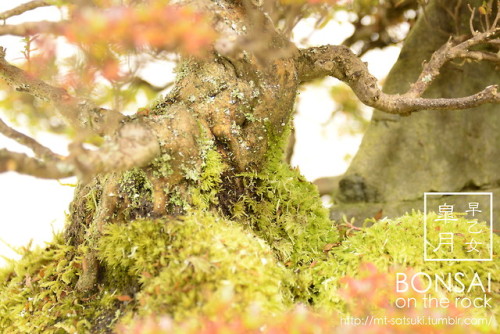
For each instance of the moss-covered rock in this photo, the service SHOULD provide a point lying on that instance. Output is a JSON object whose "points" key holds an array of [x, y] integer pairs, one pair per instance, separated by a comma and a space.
{"points": [[284, 209], [37, 294], [238, 244]]}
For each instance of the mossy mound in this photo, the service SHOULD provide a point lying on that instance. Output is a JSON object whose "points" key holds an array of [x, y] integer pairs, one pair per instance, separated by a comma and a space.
{"points": [[195, 265], [184, 267], [284, 209], [398, 244], [37, 294], [204, 267]]}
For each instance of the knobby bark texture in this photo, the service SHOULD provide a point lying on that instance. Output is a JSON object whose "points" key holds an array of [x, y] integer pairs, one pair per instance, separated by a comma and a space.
{"points": [[231, 105], [271, 62], [400, 158]]}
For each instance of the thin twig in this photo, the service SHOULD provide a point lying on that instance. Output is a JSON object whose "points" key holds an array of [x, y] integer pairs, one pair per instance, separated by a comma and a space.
{"points": [[29, 28], [23, 164], [444, 54], [481, 55], [23, 8], [81, 114], [353, 227], [497, 17], [471, 20], [40, 151]]}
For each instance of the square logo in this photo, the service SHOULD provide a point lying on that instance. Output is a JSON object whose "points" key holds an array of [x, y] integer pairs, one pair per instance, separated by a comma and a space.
{"points": [[458, 226]]}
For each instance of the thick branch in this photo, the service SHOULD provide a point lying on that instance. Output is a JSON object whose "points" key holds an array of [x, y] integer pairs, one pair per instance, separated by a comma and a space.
{"points": [[24, 82], [23, 164], [135, 145], [40, 151], [23, 8], [80, 114], [341, 63]]}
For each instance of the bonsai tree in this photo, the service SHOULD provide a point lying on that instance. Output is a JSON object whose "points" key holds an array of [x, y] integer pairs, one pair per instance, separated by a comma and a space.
{"points": [[185, 208]]}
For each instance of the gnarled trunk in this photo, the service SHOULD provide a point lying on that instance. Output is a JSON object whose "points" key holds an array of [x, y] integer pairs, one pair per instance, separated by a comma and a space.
{"points": [[230, 119]]}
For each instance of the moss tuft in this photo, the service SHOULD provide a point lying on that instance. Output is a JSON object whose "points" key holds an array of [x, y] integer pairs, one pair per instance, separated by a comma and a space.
{"points": [[138, 189], [37, 295], [200, 265], [286, 210], [204, 195], [161, 167], [271, 247]]}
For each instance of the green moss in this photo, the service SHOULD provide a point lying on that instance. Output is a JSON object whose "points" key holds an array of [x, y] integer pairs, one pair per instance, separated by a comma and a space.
{"points": [[250, 117], [208, 176], [161, 167], [176, 200], [91, 200], [204, 195], [212, 170], [136, 184], [397, 245], [138, 189], [195, 264], [286, 210], [274, 247], [202, 265], [36, 293]]}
